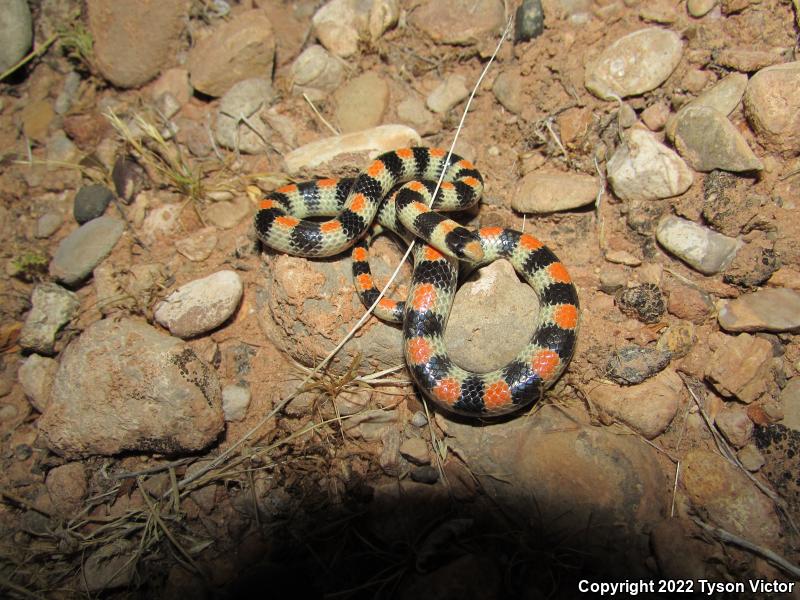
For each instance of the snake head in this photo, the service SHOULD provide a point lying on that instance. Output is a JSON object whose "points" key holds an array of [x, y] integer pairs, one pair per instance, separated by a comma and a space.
{"points": [[465, 244]]}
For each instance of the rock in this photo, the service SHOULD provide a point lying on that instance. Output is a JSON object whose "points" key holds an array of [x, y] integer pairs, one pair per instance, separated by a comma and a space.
{"points": [[112, 566], [730, 7], [678, 554], [447, 94], [238, 126], [647, 408], [735, 425], [634, 64], [729, 498], [785, 277], [83, 249], [415, 450], [750, 457], [677, 339], [633, 364], [655, 116], [424, 474], [370, 143], [235, 400], [739, 367], [459, 22], [239, 49], [36, 117], [200, 305], [508, 90], [699, 8], [687, 301], [643, 302], [529, 21], [91, 202], [612, 279], [339, 24], [747, 60], [160, 222], [414, 113], [726, 206], [753, 264], [644, 169], [420, 420], [770, 309], [227, 214], [723, 97], [492, 319], [703, 249], [790, 399], [129, 179], [361, 103], [52, 307], [173, 82], [132, 45], [772, 107], [316, 73], [199, 245], [545, 192], [124, 386], [308, 305], [16, 32], [695, 80], [611, 483], [60, 150], [36, 374], [708, 141], [67, 488], [48, 224], [622, 257]]}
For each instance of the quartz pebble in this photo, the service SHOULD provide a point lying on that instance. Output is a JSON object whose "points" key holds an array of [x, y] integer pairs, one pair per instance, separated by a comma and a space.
{"points": [[634, 64], [642, 168], [200, 305], [235, 400], [705, 250]]}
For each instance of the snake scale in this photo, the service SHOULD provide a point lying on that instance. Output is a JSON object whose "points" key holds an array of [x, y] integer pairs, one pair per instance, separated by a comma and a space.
{"points": [[285, 222]]}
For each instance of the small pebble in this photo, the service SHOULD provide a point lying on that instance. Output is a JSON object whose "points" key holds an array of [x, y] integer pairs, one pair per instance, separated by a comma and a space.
{"points": [[235, 401], [52, 307], [448, 94], [735, 425], [91, 201], [612, 279], [770, 309], [634, 64], [424, 474], [36, 375], [699, 8], [48, 224], [739, 366], [707, 251], [678, 339], [361, 103], [772, 106], [242, 102], [200, 305], [551, 191], [655, 116], [129, 179], [316, 73], [529, 21], [751, 458], [419, 419], [415, 450]]}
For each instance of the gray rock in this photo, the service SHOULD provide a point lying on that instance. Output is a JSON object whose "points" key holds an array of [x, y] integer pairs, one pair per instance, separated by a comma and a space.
{"points": [[770, 309], [529, 21], [316, 73], [65, 98], [634, 364], [90, 202], [85, 248], [60, 149], [708, 141], [132, 45], [705, 250], [420, 420], [642, 168], [492, 319], [200, 305], [52, 308], [122, 385], [634, 64], [552, 191], [238, 125], [239, 49], [235, 400], [48, 224], [647, 408], [790, 399], [36, 375], [16, 32]]}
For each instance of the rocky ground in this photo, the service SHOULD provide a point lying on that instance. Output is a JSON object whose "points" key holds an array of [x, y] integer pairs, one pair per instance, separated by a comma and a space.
{"points": [[163, 433]]}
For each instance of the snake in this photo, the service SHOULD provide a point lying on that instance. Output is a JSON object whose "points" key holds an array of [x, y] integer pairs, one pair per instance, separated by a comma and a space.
{"points": [[325, 217]]}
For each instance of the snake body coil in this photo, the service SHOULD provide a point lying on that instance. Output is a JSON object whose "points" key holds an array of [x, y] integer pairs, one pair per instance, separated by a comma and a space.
{"points": [[353, 203]]}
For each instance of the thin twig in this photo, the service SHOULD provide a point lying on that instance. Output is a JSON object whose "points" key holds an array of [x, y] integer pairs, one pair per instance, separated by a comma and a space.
{"points": [[30, 56], [319, 115]]}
